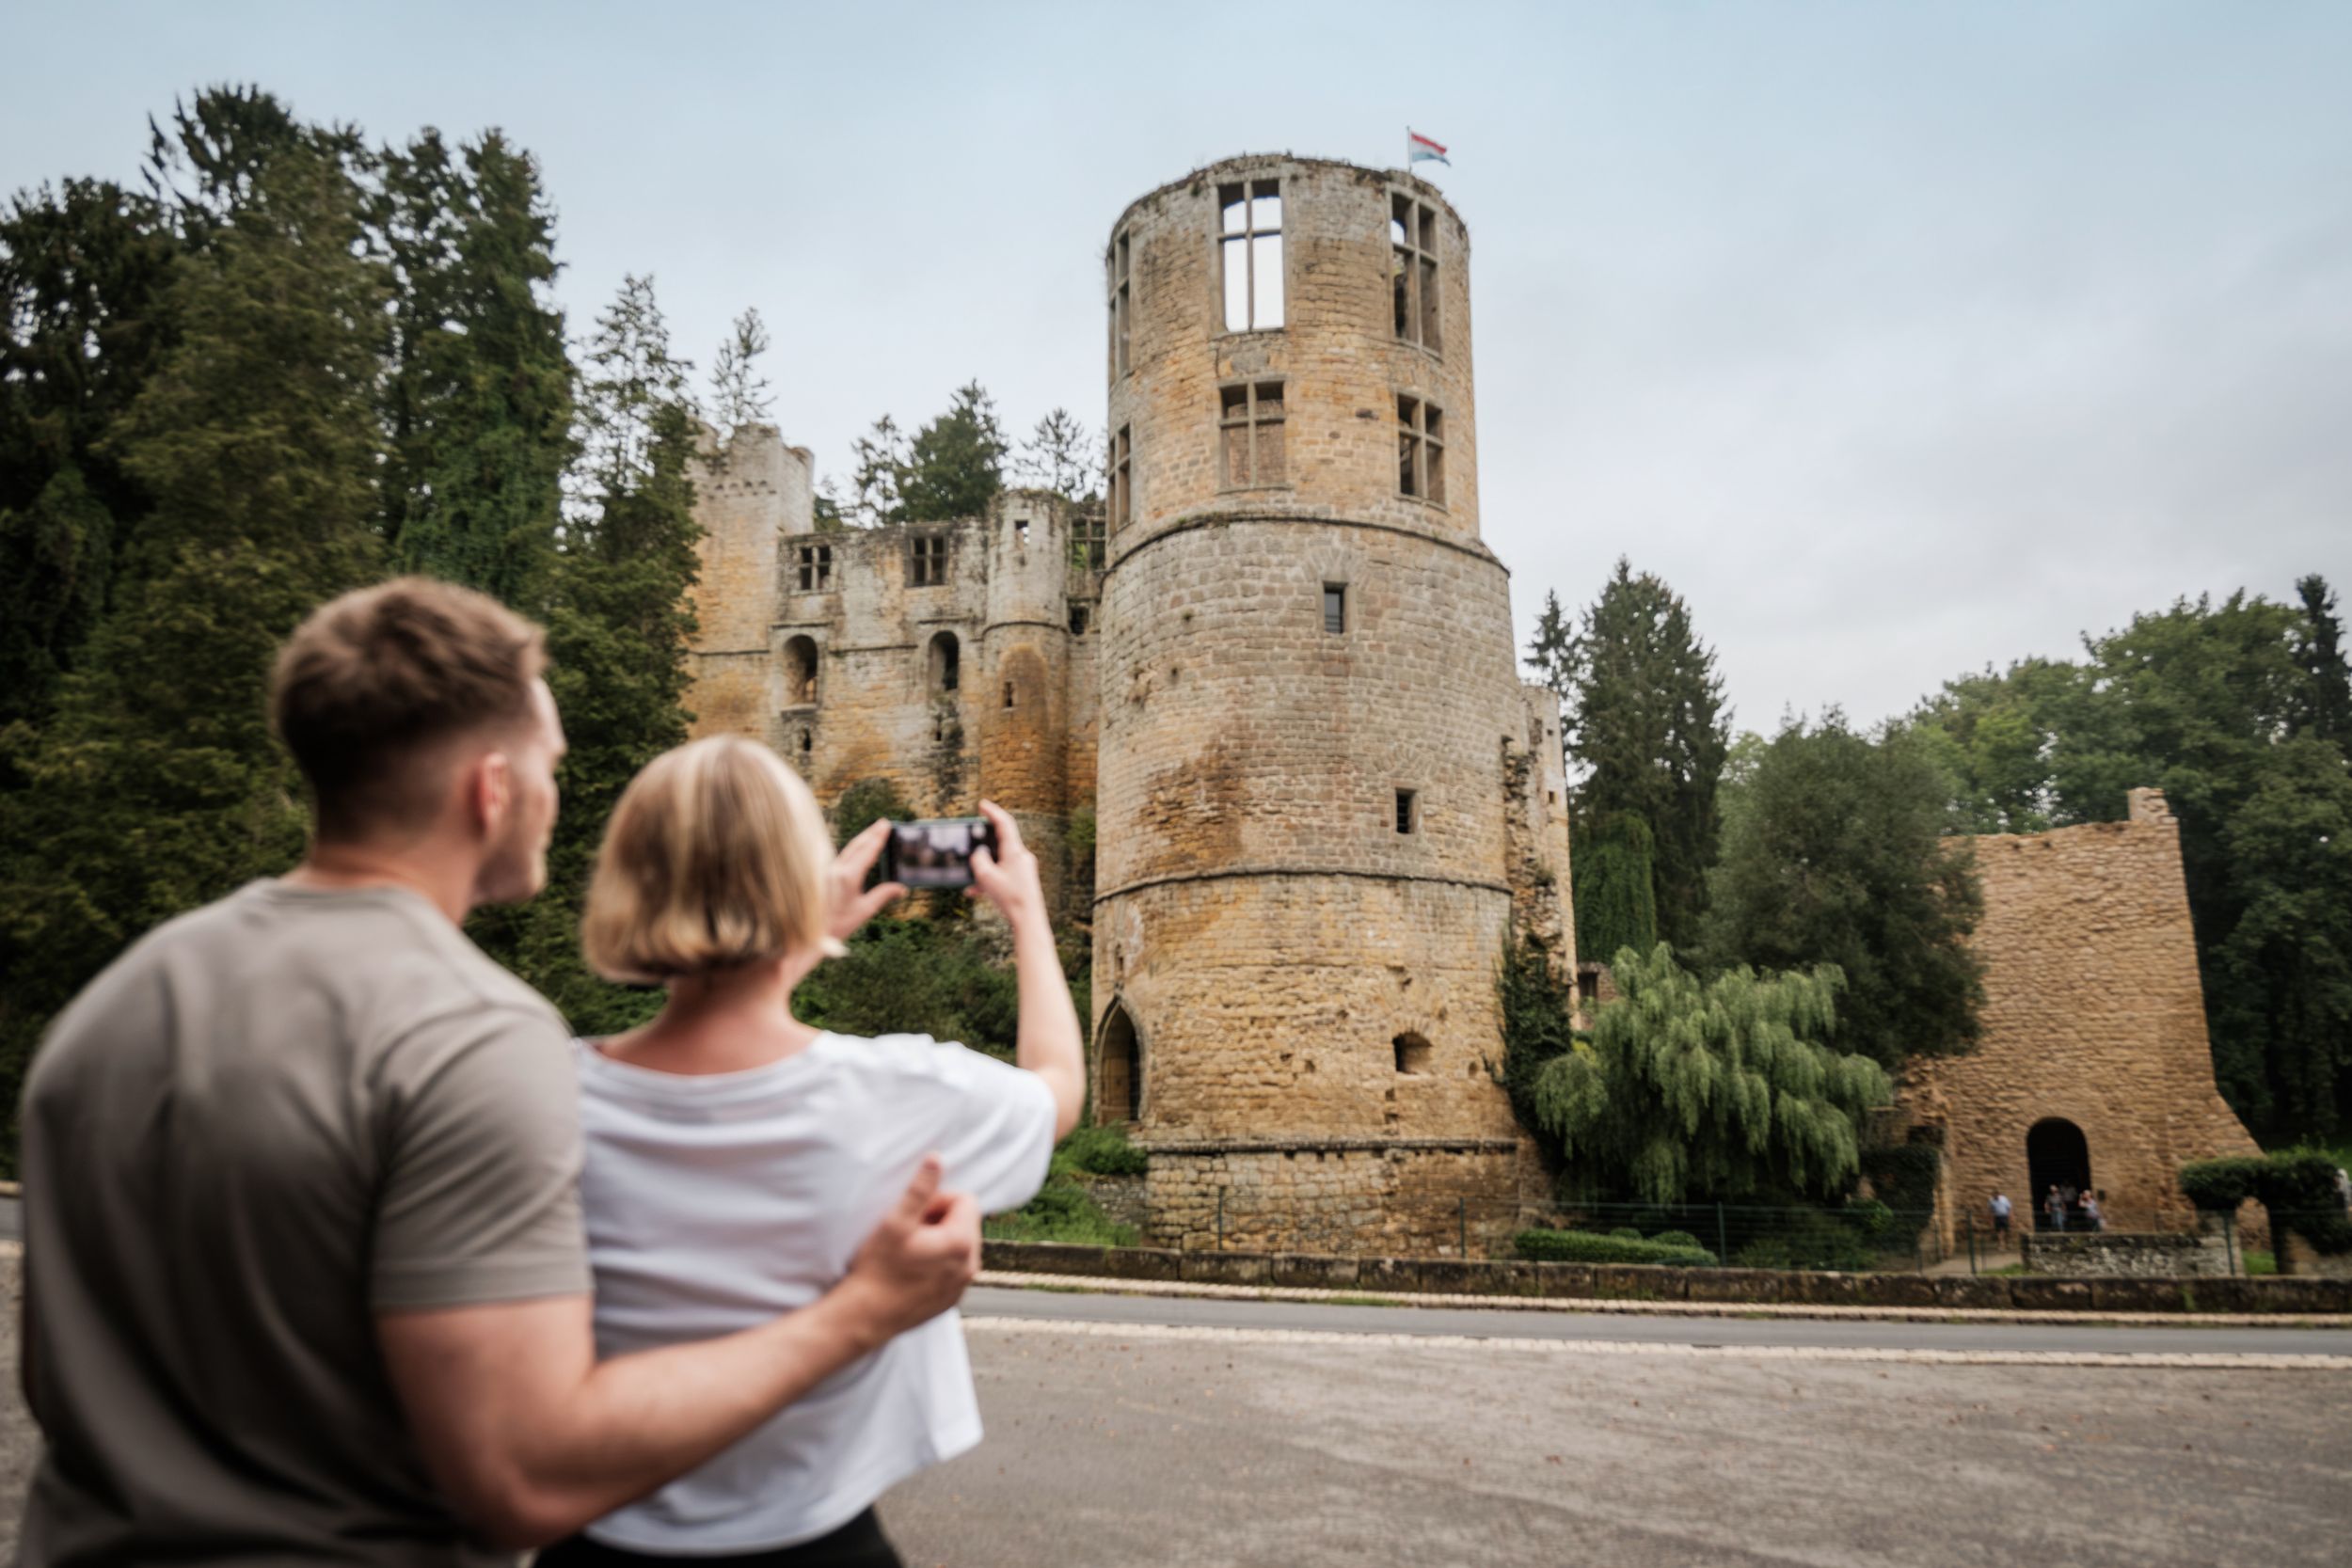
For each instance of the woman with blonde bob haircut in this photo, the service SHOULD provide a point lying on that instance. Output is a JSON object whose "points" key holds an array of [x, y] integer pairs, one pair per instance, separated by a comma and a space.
{"points": [[735, 1156]]}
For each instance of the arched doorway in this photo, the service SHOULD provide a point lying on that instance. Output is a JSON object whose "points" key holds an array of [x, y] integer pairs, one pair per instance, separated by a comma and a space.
{"points": [[943, 669], [2057, 1155], [800, 672], [1118, 1068]]}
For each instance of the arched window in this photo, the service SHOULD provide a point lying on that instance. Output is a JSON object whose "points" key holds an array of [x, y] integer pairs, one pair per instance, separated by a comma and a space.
{"points": [[1412, 1053], [2057, 1155], [1118, 1068], [945, 663], [800, 672]]}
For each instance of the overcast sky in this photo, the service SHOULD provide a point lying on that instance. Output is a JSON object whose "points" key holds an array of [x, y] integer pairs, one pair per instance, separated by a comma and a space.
{"points": [[1899, 339]]}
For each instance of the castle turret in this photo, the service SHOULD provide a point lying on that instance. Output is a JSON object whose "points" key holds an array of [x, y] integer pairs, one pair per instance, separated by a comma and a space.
{"points": [[1313, 780]]}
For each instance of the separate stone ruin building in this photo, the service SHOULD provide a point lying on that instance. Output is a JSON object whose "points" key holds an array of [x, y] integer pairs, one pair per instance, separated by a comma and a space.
{"points": [[2093, 1069], [1278, 664]]}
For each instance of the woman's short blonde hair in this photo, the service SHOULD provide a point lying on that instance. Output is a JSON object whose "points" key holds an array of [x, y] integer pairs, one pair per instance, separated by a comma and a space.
{"points": [[715, 857]]}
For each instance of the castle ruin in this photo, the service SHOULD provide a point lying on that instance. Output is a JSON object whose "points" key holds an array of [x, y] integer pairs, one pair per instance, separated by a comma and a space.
{"points": [[1276, 663]]}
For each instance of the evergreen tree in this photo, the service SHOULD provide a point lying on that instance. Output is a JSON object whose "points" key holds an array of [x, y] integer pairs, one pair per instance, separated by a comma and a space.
{"points": [[156, 786], [85, 271], [1615, 904], [1643, 710], [1837, 856], [479, 399], [619, 623], [738, 393], [1720, 1089], [1061, 457], [874, 483], [2324, 710], [955, 464]]}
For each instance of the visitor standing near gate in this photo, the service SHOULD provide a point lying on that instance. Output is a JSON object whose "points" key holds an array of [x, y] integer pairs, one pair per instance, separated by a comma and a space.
{"points": [[306, 1276], [2000, 1221], [2094, 1218], [2055, 1207]]}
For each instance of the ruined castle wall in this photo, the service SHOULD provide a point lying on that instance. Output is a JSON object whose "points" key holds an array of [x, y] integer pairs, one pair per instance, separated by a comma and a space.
{"points": [[2092, 1013], [748, 498]]}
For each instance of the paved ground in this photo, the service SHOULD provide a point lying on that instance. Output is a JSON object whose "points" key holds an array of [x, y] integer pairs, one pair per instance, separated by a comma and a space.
{"points": [[1254, 1447], [1218, 1434]]}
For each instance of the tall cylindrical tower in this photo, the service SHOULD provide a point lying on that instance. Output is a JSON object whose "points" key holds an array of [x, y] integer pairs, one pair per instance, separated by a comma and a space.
{"points": [[1309, 708]]}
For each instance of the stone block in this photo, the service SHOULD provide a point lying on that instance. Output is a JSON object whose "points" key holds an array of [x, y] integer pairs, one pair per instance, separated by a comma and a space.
{"points": [[1971, 1292], [2301, 1294], [1043, 1258], [1574, 1281], [2137, 1295], [1824, 1289], [1759, 1285], [1226, 1268], [1477, 1278], [1388, 1274], [1896, 1290], [2221, 1295], [2032, 1293], [1640, 1282], [1312, 1271], [1138, 1262]]}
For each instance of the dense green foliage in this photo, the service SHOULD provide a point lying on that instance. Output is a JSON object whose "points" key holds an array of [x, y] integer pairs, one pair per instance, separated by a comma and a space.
{"points": [[1835, 853], [1103, 1152], [1615, 897], [864, 803], [1719, 1086], [1587, 1247], [2297, 1186], [1535, 1009], [1642, 711], [953, 467], [941, 977], [2237, 710]]}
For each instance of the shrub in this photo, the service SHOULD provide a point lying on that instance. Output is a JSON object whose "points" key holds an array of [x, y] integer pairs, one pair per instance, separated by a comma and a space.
{"points": [[2297, 1186], [1587, 1247], [1676, 1238], [1625, 1233], [1061, 1212], [1868, 1216], [2219, 1186], [1102, 1151], [1903, 1176]]}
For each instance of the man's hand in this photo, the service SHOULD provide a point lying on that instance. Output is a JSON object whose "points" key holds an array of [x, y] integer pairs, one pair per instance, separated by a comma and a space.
{"points": [[918, 1260], [848, 903]]}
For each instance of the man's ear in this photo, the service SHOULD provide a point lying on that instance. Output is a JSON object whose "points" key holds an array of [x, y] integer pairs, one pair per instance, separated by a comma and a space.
{"points": [[490, 792]]}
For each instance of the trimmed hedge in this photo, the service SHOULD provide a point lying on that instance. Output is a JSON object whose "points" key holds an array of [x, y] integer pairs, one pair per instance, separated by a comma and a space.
{"points": [[1101, 1150], [2297, 1186], [1586, 1246]]}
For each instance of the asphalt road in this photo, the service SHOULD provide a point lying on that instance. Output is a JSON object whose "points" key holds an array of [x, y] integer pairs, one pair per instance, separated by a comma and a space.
{"points": [[1481, 1324], [1248, 1447]]}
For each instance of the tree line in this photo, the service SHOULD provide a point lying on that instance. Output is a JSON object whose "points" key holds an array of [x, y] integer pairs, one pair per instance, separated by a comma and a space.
{"points": [[1816, 886]]}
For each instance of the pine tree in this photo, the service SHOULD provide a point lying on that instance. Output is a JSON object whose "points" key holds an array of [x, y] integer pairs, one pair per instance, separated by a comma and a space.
{"points": [[156, 785], [955, 464], [619, 625], [1643, 710], [2324, 710], [874, 484], [1061, 457], [1720, 1089], [85, 271], [479, 399], [738, 393]]}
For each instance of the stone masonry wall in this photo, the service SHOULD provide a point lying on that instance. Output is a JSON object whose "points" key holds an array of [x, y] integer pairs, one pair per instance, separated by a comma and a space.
{"points": [[2093, 1014], [2130, 1255], [1391, 1199]]}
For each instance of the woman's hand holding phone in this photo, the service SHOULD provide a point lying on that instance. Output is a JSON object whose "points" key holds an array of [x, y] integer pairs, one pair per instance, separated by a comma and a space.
{"points": [[1007, 875], [848, 902]]}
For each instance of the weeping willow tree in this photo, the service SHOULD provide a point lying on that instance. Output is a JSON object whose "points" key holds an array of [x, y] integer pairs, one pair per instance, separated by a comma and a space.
{"points": [[1718, 1088]]}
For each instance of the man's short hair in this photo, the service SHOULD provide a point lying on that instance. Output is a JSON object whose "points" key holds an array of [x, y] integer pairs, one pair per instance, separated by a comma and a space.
{"points": [[371, 685], [715, 857]]}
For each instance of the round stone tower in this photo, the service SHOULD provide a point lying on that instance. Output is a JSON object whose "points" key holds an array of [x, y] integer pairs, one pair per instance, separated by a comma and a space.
{"points": [[1315, 747]]}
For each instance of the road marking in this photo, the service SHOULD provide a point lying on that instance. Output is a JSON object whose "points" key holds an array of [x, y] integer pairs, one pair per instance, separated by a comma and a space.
{"points": [[2128, 1360], [1104, 1285]]}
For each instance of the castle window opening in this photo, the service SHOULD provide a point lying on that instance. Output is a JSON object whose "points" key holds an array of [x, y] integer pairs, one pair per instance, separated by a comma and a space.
{"points": [[1420, 449], [1021, 531], [816, 568], [1090, 541], [1123, 303], [1408, 811], [808, 742], [1413, 270], [1118, 1094], [1412, 1053], [1251, 250], [1120, 481], [1077, 620], [929, 559], [1335, 608], [1009, 693], [799, 671], [1250, 451], [945, 663]]}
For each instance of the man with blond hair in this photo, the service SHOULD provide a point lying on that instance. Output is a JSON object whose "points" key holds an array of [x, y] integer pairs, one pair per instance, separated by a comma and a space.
{"points": [[305, 1280]]}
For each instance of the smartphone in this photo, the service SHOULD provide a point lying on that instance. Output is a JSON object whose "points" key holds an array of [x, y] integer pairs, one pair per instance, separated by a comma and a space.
{"points": [[935, 853]]}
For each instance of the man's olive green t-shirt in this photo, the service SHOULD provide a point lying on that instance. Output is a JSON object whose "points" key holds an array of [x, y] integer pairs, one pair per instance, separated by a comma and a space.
{"points": [[269, 1121]]}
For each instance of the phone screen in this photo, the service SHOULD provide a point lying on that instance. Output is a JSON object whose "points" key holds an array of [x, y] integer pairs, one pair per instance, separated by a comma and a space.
{"points": [[934, 854]]}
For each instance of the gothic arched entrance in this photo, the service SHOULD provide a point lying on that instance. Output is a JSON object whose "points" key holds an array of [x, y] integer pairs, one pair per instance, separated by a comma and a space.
{"points": [[2057, 1155], [1118, 1068]]}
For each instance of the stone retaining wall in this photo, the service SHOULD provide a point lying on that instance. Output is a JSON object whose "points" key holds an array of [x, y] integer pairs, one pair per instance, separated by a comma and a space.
{"points": [[1638, 1282], [2129, 1255]]}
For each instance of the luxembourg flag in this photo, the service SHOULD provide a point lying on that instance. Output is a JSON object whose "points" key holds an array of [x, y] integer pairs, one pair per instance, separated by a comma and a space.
{"points": [[1419, 149]]}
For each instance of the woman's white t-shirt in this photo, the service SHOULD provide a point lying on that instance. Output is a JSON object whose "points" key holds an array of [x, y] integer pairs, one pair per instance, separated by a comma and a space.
{"points": [[716, 1202]]}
